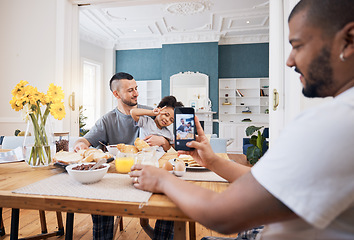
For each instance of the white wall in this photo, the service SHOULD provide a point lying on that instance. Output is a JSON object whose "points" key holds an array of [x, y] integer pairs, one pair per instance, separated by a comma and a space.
{"points": [[32, 50], [27, 48]]}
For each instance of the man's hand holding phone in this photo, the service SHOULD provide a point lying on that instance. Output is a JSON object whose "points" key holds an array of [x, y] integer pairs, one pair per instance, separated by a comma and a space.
{"points": [[183, 127], [201, 151]]}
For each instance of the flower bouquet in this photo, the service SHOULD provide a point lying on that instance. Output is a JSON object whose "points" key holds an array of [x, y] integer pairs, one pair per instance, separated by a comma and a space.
{"points": [[28, 99]]}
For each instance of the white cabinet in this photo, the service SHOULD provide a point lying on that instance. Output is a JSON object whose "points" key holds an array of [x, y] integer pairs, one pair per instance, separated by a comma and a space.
{"points": [[228, 131], [149, 92], [207, 118], [244, 100], [236, 131]]}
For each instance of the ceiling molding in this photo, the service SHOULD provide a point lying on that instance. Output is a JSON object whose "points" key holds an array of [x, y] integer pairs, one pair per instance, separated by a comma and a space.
{"points": [[139, 24], [259, 38], [188, 8], [96, 40]]}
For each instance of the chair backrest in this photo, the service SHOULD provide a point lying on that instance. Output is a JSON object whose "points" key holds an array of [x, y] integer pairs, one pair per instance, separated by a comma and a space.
{"points": [[12, 142]]}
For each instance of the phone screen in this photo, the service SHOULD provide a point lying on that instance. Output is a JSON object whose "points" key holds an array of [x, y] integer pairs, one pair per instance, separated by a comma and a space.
{"points": [[184, 127]]}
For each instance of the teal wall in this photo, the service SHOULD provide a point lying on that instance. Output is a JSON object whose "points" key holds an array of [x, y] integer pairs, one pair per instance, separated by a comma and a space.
{"points": [[244, 60], [224, 61], [143, 64]]}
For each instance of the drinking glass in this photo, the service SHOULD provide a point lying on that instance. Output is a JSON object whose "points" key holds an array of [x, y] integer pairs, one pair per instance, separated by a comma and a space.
{"points": [[148, 157], [124, 162]]}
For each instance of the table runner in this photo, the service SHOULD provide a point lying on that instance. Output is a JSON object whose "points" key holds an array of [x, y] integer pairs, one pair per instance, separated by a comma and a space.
{"points": [[202, 175], [117, 187]]}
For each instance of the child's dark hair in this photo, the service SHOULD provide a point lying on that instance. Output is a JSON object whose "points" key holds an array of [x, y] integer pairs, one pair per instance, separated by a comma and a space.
{"points": [[170, 101]]}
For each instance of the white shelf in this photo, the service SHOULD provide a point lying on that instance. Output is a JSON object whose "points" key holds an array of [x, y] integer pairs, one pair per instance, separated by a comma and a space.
{"points": [[149, 92], [251, 89]]}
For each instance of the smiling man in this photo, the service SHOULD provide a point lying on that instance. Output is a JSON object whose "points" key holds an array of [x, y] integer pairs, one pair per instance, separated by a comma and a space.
{"points": [[303, 187], [117, 126]]}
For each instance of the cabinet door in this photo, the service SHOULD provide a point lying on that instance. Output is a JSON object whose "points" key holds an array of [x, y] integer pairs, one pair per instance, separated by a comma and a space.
{"points": [[237, 132], [228, 131]]}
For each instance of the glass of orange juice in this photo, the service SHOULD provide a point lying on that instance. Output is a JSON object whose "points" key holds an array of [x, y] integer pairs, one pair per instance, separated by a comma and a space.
{"points": [[124, 161]]}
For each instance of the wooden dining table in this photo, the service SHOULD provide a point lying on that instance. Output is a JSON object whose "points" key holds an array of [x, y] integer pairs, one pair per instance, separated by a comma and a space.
{"points": [[19, 174]]}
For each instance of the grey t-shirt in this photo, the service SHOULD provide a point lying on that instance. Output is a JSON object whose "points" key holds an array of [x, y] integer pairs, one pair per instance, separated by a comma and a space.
{"points": [[113, 128]]}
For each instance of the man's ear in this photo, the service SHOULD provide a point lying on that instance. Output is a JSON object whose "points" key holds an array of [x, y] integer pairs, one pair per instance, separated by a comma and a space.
{"points": [[348, 49], [116, 94]]}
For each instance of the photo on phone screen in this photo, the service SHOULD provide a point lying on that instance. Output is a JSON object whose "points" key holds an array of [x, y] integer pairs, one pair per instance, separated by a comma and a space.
{"points": [[184, 127]]}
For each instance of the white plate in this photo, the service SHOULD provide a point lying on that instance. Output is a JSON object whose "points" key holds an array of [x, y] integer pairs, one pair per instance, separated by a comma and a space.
{"points": [[173, 161]]}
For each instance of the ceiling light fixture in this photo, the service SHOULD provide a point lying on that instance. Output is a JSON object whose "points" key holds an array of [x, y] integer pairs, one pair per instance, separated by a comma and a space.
{"points": [[189, 8], [248, 22]]}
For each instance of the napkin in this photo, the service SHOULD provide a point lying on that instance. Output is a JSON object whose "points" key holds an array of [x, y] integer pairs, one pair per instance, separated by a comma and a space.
{"points": [[15, 155]]}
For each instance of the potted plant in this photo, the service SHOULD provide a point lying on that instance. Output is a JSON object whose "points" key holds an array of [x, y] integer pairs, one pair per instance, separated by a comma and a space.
{"points": [[255, 152], [82, 119]]}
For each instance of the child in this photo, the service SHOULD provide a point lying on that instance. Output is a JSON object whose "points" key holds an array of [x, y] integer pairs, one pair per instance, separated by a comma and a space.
{"points": [[164, 117]]}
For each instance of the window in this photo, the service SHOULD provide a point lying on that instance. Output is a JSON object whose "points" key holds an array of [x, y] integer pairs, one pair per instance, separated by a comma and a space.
{"points": [[91, 92]]}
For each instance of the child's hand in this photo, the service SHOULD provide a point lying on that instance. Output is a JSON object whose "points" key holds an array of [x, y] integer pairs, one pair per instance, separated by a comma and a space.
{"points": [[157, 111]]}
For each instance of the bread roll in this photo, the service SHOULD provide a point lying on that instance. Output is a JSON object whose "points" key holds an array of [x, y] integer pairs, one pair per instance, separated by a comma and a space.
{"points": [[89, 151], [94, 154], [130, 149], [67, 157], [120, 147], [140, 144]]}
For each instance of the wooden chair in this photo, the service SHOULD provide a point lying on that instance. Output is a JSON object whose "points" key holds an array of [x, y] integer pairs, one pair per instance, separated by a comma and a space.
{"points": [[118, 224], [12, 142], [2, 228], [15, 223]]}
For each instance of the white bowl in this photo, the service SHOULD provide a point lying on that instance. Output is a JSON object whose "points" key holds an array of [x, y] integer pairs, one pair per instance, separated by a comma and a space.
{"points": [[112, 149], [86, 176]]}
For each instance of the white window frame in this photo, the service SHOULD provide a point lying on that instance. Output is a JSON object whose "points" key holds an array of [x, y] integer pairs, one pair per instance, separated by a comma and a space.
{"points": [[93, 93]]}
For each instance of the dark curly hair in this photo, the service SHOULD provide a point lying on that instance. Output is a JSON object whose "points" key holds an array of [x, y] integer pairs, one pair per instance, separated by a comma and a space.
{"points": [[170, 101]]}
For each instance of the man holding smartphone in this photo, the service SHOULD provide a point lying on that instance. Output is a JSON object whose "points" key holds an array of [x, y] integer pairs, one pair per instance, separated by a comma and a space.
{"points": [[302, 188]]}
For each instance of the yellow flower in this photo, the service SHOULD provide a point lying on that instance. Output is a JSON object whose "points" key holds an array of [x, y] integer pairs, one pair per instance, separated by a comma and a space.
{"points": [[54, 94], [35, 96], [57, 110], [15, 104], [29, 95], [18, 90], [29, 100]]}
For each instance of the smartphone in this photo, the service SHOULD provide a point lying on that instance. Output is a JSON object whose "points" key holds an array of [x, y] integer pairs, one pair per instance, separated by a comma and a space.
{"points": [[183, 127]]}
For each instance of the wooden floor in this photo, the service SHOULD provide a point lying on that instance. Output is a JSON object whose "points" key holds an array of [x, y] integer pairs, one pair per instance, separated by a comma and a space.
{"points": [[30, 225]]}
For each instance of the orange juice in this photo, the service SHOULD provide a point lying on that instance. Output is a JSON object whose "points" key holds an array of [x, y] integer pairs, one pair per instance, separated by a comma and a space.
{"points": [[123, 164]]}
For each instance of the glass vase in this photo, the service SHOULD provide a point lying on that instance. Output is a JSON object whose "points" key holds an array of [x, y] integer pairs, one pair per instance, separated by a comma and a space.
{"points": [[39, 143]]}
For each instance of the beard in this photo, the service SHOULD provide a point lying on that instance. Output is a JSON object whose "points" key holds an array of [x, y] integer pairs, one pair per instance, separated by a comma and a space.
{"points": [[129, 102], [320, 75]]}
